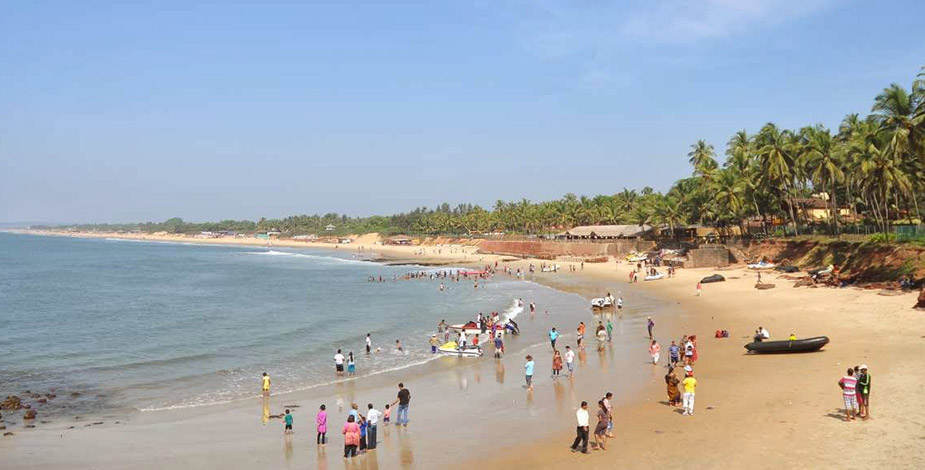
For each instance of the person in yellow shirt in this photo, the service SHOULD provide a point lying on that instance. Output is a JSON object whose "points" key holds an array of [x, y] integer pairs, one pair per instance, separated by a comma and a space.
{"points": [[690, 386], [793, 337], [266, 384]]}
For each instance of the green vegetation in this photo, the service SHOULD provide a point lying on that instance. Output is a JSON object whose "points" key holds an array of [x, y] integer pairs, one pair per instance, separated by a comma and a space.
{"points": [[873, 167]]}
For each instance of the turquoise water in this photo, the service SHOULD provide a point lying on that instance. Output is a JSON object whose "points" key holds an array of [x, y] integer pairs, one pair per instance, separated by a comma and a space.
{"points": [[114, 325]]}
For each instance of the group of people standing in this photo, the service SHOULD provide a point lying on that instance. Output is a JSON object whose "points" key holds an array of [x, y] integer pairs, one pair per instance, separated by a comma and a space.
{"points": [[602, 431], [855, 387]]}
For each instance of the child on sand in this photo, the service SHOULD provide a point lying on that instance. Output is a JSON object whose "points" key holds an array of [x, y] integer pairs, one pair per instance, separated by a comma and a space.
{"points": [[288, 420], [266, 384], [387, 415], [434, 342]]}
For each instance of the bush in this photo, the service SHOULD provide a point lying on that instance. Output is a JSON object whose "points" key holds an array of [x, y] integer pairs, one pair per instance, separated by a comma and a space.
{"points": [[882, 238]]}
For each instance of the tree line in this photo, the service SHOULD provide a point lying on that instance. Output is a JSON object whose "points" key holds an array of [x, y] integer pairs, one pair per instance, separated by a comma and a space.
{"points": [[872, 167]]}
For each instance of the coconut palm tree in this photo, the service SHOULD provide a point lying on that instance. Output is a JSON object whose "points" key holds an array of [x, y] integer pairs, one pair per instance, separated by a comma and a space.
{"points": [[703, 158]]}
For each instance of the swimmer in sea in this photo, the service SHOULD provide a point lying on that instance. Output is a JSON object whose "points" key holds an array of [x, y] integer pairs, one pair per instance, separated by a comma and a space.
{"points": [[398, 346]]}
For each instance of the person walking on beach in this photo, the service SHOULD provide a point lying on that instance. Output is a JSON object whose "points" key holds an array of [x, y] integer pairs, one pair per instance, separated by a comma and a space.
{"points": [[351, 437], [339, 363], [288, 420], [553, 335], [699, 288], [609, 331], [601, 337], [649, 325], [848, 384], [654, 351], [619, 303], [570, 360], [674, 354], [581, 432], [266, 385], [403, 400], [864, 392], [372, 424], [369, 344], [528, 371], [607, 401], [690, 387], [581, 333], [600, 431], [321, 426], [556, 364]]}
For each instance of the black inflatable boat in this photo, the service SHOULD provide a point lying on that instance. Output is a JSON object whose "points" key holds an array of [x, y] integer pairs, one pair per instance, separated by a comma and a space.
{"points": [[713, 278], [783, 347]]}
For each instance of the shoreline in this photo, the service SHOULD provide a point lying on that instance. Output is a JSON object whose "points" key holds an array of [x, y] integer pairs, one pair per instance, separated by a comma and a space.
{"points": [[783, 395]]}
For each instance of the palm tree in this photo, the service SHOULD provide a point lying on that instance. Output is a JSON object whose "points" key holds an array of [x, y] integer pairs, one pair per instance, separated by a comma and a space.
{"points": [[826, 167], [702, 158], [776, 164]]}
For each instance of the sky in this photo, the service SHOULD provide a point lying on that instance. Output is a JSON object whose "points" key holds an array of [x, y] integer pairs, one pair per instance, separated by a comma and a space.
{"points": [[146, 110]]}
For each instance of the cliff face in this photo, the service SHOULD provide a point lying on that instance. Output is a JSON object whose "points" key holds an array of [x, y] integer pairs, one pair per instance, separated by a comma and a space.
{"points": [[858, 261]]}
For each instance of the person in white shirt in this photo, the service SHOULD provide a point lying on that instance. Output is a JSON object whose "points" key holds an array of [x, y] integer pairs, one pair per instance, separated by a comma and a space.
{"points": [[569, 359], [461, 341], [581, 432], [765, 334], [372, 422], [369, 344], [339, 363]]}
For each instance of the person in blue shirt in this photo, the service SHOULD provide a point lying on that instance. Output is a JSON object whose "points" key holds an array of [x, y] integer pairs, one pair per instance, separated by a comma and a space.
{"points": [[553, 335], [288, 420], [674, 354], [528, 371]]}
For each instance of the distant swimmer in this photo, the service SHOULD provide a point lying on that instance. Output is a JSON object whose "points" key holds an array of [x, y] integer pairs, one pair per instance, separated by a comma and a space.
{"points": [[442, 287], [369, 344], [398, 346]]}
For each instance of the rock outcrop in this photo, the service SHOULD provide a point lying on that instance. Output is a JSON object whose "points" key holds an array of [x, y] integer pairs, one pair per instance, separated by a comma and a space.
{"points": [[12, 402], [921, 304]]}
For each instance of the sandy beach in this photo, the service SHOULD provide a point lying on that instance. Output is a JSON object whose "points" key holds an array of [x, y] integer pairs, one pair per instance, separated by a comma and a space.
{"points": [[755, 411]]}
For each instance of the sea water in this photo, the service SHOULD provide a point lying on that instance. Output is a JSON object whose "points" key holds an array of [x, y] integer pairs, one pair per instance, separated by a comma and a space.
{"points": [[113, 326]]}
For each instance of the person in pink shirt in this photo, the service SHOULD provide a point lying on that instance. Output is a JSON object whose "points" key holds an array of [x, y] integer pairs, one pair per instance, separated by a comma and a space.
{"points": [[849, 385], [321, 425], [654, 351], [351, 437]]}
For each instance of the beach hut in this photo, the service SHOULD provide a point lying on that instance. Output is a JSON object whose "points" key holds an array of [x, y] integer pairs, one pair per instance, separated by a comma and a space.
{"points": [[329, 228], [605, 232], [398, 240]]}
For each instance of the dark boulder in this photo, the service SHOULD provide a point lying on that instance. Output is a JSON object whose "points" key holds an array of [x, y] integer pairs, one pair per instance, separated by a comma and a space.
{"points": [[29, 414], [921, 303]]}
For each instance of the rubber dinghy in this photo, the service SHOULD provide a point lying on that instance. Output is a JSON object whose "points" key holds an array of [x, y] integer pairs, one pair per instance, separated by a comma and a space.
{"points": [[655, 277], [602, 302], [453, 349], [762, 265], [785, 347], [713, 278]]}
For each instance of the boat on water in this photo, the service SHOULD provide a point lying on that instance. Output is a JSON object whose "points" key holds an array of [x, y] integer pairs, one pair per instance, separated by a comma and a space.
{"points": [[785, 347], [453, 349], [470, 328], [655, 277], [602, 302]]}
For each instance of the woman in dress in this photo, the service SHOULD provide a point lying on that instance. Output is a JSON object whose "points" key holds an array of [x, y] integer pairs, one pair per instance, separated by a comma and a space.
{"points": [[600, 432], [321, 425], [671, 384], [556, 364]]}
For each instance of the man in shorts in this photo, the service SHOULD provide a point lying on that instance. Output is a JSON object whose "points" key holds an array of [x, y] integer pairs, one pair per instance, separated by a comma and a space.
{"points": [[339, 363], [528, 371], [848, 385], [864, 392]]}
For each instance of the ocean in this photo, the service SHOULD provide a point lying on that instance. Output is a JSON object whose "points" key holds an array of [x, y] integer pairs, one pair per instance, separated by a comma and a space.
{"points": [[114, 326]]}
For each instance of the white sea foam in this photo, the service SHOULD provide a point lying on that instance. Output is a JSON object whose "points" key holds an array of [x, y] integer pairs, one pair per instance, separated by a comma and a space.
{"points": [[303, 255]]}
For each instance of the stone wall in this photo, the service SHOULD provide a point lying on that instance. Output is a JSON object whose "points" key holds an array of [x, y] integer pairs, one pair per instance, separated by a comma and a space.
{"points": [[551, 249], [708, 257]]}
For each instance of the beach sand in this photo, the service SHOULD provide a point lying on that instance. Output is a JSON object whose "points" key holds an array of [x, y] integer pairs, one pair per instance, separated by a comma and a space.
{"points": [[756, 411]]}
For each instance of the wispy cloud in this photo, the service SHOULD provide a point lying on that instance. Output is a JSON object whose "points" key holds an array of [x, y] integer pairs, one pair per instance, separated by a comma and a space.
{"points": [[598, 33]]}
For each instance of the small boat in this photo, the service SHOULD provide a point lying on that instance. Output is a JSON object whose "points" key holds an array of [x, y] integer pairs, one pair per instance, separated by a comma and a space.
{"points": [[784, 347], [470, 328], [637, 258], [602, 302], [453, 349], [655, 277], [713, 278], [762, 265]]}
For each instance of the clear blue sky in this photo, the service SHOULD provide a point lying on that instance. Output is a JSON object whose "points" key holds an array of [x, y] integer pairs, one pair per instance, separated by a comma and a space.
{"points": [[128, 111]]}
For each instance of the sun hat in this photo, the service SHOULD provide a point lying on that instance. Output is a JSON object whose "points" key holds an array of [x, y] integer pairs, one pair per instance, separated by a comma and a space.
{"points": [[863, 366], [688, 368]]}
